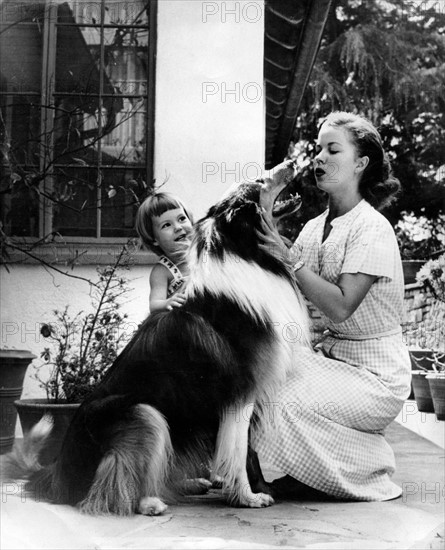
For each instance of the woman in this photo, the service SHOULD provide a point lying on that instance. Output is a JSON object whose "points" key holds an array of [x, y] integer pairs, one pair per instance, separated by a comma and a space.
{"points": [[334, 409]]}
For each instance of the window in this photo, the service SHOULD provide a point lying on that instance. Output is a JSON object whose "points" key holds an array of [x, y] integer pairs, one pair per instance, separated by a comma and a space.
{"points": [[77, 116]]}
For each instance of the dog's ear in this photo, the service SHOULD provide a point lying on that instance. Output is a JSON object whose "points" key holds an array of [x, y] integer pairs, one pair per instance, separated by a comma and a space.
{"points": [[237, 228]]}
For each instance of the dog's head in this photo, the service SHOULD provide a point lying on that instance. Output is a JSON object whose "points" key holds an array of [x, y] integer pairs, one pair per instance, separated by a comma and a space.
{"points": [[276, 195], [231, 224]]}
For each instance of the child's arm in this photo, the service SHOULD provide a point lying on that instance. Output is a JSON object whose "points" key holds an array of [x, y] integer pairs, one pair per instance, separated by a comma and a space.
{"points": [[158, 291]]}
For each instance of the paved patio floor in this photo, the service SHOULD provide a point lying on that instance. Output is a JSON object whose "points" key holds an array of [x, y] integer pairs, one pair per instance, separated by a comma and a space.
{"points": [[412, 521]]}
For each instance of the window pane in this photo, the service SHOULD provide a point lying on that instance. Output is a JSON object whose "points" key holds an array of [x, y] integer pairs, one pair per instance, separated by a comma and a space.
{"points": [[116, 12], [76, 209], [111, 103], [77, 132], [21, 57], [75, 202], [100, 117], [126, 143], [21, 46], [20, 128], [19, 205], [22, 12], [20, 173], [123, 190], [74, 100]]}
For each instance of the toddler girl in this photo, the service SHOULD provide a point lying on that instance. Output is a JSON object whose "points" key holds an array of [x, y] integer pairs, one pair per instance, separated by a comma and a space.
{"points": [[165, 225]]}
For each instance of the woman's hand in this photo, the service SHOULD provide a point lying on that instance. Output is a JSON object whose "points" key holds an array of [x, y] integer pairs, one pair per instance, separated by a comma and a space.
{"points": [[274, 244], [339, 300]]}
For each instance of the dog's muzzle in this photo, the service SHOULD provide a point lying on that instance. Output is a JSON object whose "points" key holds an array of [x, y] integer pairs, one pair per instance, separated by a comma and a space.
{"points": [[273, 196]]}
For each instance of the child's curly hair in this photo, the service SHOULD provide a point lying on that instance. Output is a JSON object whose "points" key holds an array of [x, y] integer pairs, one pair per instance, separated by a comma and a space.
{"points": [[156, 205]]}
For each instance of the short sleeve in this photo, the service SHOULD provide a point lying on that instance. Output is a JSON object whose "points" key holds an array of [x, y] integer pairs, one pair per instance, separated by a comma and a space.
{"points": [[372, 249]]}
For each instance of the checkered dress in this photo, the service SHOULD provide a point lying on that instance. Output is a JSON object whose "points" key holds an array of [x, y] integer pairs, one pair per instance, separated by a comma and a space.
{"points": [[330, 416]]}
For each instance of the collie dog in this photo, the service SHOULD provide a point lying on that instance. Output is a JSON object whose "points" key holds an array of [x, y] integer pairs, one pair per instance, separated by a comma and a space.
{"points": [[195, 382]]}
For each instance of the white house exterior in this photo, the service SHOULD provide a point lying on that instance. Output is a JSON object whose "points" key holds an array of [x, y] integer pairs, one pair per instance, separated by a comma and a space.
{"points": [[208, 134]]}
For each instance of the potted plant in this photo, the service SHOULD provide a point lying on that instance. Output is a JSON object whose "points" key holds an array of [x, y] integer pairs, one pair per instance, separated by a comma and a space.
{"points": [[13, 366], [432, 276], [436, 381], [82, 348], [420, 361]]}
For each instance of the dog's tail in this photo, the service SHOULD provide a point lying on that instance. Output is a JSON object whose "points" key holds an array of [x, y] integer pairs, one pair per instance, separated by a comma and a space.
{"points": [[135, 467], [23, 464], [23, 461]]}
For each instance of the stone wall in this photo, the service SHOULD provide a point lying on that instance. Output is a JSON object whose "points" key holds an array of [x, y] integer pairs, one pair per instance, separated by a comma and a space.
{"points": [[418, 303]]}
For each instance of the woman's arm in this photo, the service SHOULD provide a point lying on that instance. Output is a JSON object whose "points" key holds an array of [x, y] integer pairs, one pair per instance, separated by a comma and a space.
{"points": [[337, 301]]}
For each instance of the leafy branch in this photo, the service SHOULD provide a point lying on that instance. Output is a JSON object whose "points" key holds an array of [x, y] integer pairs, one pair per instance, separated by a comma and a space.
{"points": [[80, 359]]}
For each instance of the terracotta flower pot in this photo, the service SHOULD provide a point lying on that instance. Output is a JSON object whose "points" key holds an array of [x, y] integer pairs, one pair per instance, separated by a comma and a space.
{"points": [[421, 390], [13, 365], [437, 388], [32, 410]]}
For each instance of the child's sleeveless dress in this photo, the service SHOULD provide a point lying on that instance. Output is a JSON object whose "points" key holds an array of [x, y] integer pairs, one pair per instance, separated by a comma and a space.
{"points": [[178, 279]]}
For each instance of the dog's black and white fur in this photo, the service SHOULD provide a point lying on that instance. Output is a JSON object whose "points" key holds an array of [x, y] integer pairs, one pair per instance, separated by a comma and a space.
{"points": [[193, 381]]}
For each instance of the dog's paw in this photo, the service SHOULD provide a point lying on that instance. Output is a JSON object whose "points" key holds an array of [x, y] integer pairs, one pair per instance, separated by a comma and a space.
{"points": [[248, 499], [196, 486], [151, 506], [259, 500]]}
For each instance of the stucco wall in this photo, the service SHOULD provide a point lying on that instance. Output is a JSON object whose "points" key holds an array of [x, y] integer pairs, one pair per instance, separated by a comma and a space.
{"points": [[209, 100], [30, 294]]}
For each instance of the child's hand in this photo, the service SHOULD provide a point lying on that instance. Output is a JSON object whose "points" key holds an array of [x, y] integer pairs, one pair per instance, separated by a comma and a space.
{"points": [[177, 300]]}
